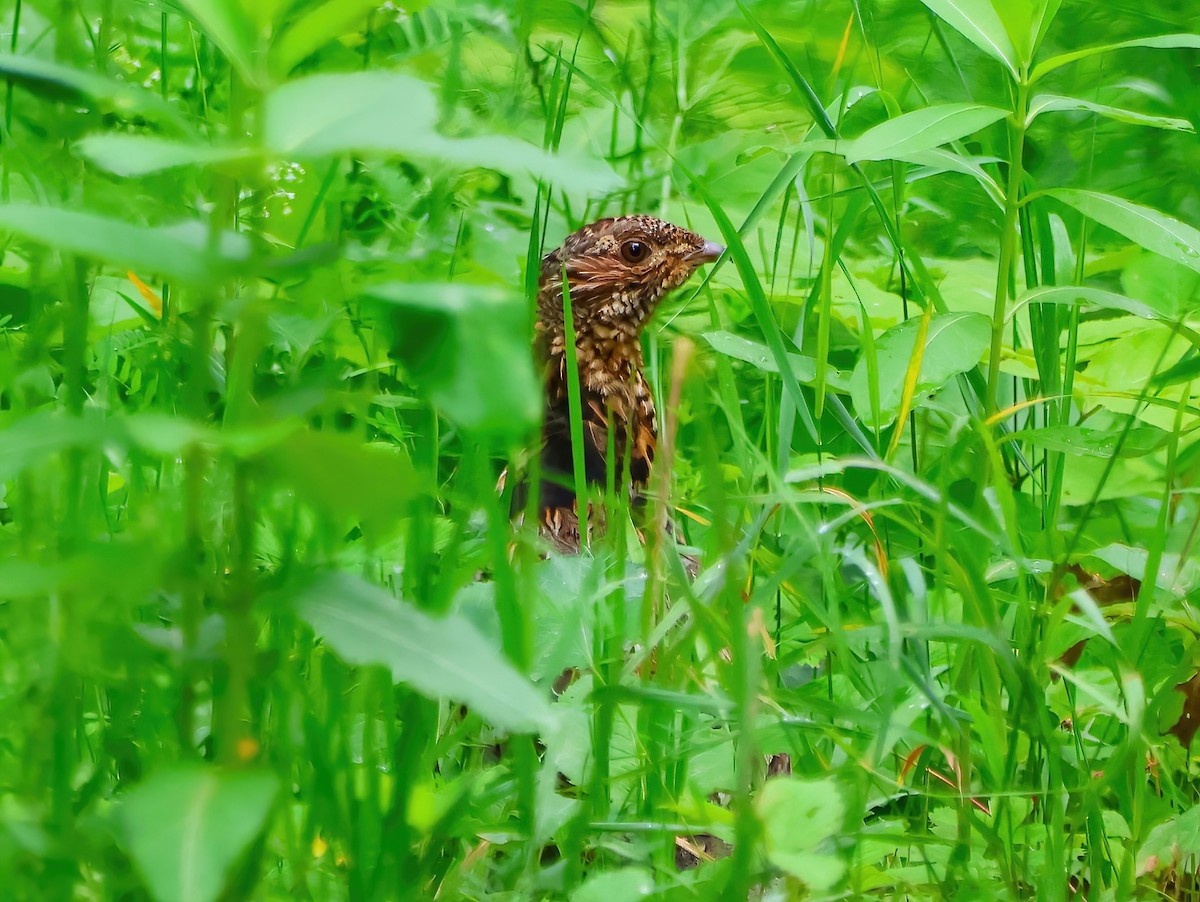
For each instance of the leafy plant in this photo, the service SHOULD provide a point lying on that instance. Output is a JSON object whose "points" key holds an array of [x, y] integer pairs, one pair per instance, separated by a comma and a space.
{"points": [[269, 626]]}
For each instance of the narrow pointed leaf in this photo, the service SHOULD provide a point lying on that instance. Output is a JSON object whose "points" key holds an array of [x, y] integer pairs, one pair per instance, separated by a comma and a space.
{"points": [[1048, 103], [1144, 226], [977, 21], [939, 160], [1161, 309], [920, 130], [1162, 42]]}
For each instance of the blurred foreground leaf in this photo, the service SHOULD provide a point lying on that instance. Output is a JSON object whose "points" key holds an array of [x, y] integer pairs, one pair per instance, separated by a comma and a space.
{"points": [[231, 29], [186, 827], [178, 251], [357, 112], [468, 347], [388, 112], [343, 477], [799, 815], [318, 26], [440, 657], [134, 155], [59, 82], [34, 438], [624, 885]]}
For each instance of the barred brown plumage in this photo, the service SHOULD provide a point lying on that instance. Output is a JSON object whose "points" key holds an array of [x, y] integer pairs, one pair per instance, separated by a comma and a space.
{"points": [[617, 270]]}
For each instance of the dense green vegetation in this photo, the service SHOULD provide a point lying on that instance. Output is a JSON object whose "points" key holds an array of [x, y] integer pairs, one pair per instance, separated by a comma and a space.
{"points": [[267, 628]]}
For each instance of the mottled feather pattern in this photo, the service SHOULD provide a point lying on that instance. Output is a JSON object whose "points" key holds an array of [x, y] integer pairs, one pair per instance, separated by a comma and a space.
{"points": [[617, 270]]}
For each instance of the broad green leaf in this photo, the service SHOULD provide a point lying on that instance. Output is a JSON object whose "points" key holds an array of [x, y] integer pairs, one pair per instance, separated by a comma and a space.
{"points": [[439, 657], [1101, 443], [976, 20], [622, 885], [163, 434], [1144, 226], [798, 817], [179, 251], [137, 155], [388, 112], [759, 356], [1131, 362], [1170, 288], [329, 114], [34, 438], [1162, 41], [187, 826], [468, 348], [317, 27], [172, 436], [231, 29], [58, 80], [1173, 842], [1048, 103], [262, 13], [920, 130], [346, 478], [1178, 578], [954, 344]]}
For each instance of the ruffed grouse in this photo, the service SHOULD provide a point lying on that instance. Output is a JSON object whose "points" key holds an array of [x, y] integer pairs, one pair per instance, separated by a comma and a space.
{"points": [[617, 270]]}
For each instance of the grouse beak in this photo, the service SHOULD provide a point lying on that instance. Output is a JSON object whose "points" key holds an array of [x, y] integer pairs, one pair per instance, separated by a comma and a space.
{"points": [[710, 252]]}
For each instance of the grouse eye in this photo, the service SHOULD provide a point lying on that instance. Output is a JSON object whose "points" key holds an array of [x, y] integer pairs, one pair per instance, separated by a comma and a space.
{"points": [[634, 251]]}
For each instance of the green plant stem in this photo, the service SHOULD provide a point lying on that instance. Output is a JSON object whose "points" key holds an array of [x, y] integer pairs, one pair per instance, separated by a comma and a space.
{"points": [[1008, 239], [231, 705], [575, 411]]}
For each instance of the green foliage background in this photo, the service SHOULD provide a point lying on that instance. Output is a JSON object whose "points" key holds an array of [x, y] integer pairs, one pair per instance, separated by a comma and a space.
{"points": [[267, 628]]}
